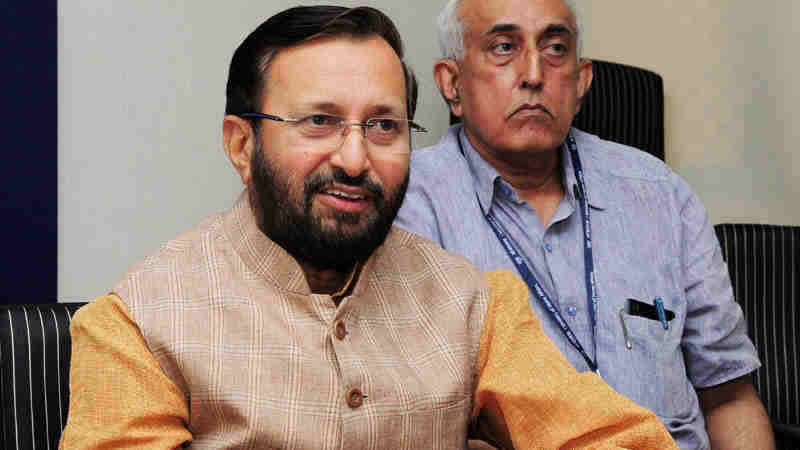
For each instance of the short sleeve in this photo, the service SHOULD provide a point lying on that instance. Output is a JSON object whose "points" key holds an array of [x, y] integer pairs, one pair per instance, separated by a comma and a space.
{"points": [[715, 342]]}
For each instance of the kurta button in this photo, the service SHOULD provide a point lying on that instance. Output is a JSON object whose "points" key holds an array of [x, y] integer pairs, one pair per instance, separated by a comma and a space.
{"points": [[355, 398], [340, 330], [572, 310]]}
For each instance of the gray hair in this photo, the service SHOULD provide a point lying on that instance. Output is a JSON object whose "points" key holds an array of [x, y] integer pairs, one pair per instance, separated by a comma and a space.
{"points": [[452, 29]]}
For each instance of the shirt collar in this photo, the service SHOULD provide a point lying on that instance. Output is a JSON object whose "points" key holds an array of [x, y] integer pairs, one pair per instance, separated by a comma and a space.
{"points": [[486, 179], [484, 176], [596, 184]]}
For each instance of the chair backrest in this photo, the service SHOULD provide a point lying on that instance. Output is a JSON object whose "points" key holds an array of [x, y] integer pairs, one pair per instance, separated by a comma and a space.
{"points": [[34, 374], [625, 104], [764, 265]]}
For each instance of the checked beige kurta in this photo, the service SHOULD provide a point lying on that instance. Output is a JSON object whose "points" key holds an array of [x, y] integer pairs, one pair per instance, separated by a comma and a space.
{"points": [[217, 339]]}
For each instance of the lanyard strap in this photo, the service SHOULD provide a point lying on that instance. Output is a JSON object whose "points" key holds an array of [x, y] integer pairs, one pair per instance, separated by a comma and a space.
{"points": [[530, 278], [588, 259]]}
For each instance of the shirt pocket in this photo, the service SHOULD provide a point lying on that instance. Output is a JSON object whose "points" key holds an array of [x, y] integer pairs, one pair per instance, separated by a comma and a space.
{"points": [[654, 371]]}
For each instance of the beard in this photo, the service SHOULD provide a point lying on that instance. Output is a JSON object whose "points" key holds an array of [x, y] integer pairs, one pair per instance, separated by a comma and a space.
{"points": [[291, 223]]}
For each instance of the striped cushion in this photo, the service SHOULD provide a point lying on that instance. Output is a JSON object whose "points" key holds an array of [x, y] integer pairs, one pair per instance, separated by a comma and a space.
{"points": [[625, 104], [34, 385], [764, 264]]}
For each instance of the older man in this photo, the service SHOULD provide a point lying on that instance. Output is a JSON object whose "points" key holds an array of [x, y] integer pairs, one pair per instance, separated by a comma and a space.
{"points": [[621, 261], [301, 318]]}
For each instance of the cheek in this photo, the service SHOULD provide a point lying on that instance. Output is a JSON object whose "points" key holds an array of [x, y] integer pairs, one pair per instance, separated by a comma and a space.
{"points": [[390, 171], [296, 160], [566, 89], [494, 87], [490, 96], [292, 168], [568, 108]]}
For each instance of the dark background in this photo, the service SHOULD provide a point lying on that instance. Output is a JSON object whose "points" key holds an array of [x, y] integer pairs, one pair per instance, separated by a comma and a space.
{"points": [[29, 168]]}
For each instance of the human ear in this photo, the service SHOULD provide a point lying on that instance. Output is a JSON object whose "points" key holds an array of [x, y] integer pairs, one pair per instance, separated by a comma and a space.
{"points": [[585, 77], [446, 75], [238, 140]]}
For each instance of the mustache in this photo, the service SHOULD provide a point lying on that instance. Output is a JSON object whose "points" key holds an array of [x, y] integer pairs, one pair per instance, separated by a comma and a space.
{"points": [[533, 107], [339, 176]]}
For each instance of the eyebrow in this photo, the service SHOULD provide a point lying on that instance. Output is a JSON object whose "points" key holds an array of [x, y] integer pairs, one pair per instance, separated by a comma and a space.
{"points": [[551, 29], [335, 109], [557, 29], [383, 110], [329, 107], [503, 28]]}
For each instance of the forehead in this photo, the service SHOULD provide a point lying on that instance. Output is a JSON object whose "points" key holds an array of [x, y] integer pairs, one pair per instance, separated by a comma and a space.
{"points": [[343, 74], [480, 16]]}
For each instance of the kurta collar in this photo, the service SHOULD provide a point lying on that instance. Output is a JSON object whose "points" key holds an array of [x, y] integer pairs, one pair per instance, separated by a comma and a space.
{"points": [[261, 255], [270, 262]]}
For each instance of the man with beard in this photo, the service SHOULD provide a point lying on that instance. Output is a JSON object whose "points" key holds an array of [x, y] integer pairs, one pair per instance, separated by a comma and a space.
{"points": [[301, 318]]}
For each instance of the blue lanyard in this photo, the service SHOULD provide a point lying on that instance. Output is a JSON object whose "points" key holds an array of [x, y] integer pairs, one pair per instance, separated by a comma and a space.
{"points": [[530, 278]]}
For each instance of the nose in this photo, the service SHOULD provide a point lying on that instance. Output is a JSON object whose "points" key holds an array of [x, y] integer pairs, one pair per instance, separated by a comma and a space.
{"points": [[532, 76], [352, 156]]}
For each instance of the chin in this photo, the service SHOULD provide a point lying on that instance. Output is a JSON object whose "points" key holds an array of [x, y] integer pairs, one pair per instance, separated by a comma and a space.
{"points": [[535, 136], [535, 144]]}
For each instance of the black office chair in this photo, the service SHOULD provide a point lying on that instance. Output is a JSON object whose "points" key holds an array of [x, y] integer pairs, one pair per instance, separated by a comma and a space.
{"points": [[625, 104], [34, 374], [764, 265]]}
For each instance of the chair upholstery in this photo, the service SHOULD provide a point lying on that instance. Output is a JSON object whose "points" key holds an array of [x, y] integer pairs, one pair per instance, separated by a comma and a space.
{"points": [[764, 264], [34, 374], [625, 104]]}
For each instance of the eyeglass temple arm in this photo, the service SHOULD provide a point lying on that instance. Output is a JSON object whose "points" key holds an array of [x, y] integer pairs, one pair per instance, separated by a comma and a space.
{"points": [[417, 128], [266, 116]]}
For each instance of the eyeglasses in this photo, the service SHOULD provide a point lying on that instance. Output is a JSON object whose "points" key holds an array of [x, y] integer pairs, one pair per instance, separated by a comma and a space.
{"points": [[380, 131]]}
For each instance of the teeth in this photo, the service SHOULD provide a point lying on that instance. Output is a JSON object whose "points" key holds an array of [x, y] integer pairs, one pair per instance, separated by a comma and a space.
{"points": [[344, 195]]}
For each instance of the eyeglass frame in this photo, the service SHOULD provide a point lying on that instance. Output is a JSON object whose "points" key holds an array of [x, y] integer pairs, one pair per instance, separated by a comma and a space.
{"points": [[412, 126]]}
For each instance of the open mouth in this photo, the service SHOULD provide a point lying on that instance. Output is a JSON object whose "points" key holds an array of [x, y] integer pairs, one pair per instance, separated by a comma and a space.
{"points": [[344, 195], [344, 199]]}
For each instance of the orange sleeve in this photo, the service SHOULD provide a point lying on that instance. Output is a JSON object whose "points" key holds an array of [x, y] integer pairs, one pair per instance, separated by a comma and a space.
{"points": [[529, 395], [119, 396]]}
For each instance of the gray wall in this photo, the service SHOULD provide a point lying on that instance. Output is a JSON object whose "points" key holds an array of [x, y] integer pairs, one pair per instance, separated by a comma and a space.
{"points": [[141, 97]]}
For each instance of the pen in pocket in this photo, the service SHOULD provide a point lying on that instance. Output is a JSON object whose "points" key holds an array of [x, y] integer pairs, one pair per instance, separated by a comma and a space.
{"points": [[662, 315], [625, 329]]}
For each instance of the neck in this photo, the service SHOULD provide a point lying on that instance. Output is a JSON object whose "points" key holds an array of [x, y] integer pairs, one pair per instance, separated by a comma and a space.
{"points": [[526, 170], [326, 281], [535, 176]]}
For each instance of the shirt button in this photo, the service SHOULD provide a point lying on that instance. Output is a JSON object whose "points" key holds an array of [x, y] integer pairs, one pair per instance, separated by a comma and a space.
{"points": [[549, 248], [339, 330], [572, 311], [355, 398]]}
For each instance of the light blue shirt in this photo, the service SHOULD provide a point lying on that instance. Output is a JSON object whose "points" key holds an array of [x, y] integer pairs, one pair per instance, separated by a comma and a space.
{"points": [[651, 237]]}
